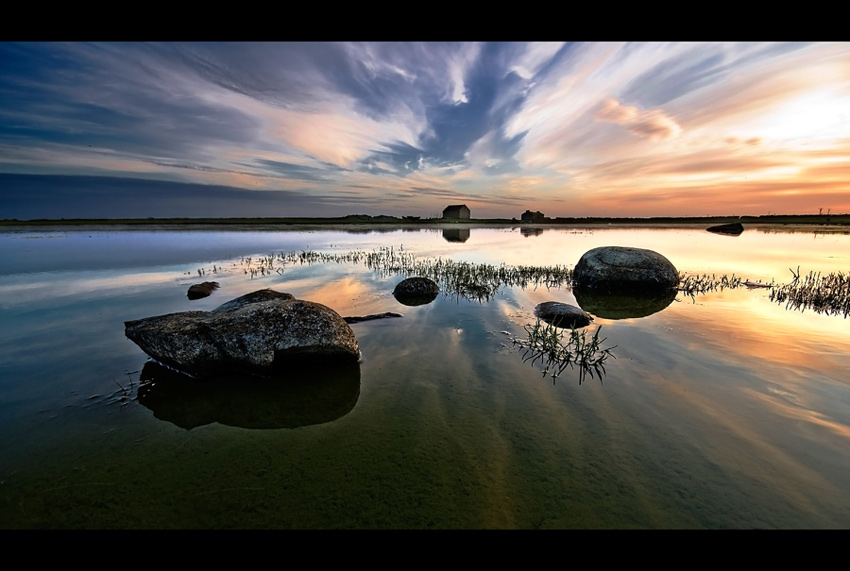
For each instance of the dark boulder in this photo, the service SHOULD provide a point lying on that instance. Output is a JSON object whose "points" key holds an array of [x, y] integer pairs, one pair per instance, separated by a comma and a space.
{"points": [[619, 268], [416, 291], [734, 229], [198, 291], [258, 334], [562, 314]]}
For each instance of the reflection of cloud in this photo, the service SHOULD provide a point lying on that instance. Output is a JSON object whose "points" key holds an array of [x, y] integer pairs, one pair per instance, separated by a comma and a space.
{"points": [[652, 124]]}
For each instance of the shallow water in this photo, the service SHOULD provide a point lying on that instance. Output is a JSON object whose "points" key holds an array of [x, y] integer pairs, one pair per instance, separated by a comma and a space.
{"points": [[721, 411]]}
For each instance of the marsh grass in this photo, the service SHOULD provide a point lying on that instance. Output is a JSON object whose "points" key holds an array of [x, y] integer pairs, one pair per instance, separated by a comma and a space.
{"points": [[474, 282], [693, 285], [556, 349], [481, 282], [829, 294]]}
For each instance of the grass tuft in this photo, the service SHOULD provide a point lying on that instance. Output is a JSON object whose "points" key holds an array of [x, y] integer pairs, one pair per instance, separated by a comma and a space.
{"points": [[558, 348]]}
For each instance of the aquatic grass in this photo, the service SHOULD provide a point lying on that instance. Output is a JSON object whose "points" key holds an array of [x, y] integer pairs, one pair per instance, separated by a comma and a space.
{"points": [[474, 282], [829, 294], [693, 285], [558, 348], [481, 282]]}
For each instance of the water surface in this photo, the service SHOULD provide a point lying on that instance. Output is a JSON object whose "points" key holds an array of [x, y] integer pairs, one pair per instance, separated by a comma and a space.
{"points": [[721, 411]]}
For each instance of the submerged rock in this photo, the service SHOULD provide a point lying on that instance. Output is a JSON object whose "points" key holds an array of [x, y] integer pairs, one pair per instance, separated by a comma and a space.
{"points": [[198, 291], [257, 333], [562, 314], [416, 291], [733, 229], [619, 268]]}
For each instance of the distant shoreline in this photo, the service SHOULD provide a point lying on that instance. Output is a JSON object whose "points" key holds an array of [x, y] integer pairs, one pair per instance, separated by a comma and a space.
{"points": [[366, 221]]}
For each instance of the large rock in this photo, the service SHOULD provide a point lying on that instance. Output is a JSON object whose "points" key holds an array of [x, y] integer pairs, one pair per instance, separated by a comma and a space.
{"points": [[258, 333], [619, 269], [562, 314]]}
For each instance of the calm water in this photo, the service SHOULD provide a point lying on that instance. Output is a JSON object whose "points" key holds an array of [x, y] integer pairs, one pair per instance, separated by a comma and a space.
{"points": [[723, 411]]}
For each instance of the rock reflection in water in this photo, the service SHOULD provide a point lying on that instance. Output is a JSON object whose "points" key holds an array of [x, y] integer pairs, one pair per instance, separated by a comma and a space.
{"points": [[622, 306], [309, 395]]}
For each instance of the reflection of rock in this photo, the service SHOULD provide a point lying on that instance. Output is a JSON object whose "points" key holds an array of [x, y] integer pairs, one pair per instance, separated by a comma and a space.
{"points": [[562, 314], [197, 291], [623, 305], [256, 333], [311, 394], [734, 229], [456, 234], [618, 268], [416, 291]]}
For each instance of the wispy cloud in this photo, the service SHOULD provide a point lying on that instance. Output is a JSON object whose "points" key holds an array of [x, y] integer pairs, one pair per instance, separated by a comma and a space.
{"points": [[602, 128]]}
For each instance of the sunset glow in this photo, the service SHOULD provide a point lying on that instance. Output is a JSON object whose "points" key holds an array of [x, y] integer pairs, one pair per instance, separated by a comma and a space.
{"points": [[329, 129]]}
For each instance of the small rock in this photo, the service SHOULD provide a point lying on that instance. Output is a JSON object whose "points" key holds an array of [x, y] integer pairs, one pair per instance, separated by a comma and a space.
{"points": [[562, 314], [198, 291], [371, 316], [416, 291], [733, 229]]}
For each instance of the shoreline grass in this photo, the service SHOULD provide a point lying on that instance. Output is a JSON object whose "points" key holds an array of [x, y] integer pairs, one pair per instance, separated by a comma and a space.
{"points": [[828, 294]]}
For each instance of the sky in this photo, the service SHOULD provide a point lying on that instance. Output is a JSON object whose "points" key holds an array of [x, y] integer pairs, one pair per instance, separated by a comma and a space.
{"points": [[330, 129]]}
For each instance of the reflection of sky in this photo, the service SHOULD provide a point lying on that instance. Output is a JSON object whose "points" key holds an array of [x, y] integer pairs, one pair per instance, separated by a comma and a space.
{"points": [[727, 394]]}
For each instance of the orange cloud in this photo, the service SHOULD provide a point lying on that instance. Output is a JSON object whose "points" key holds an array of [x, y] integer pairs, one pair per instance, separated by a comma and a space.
{"points": [[652, 124]]}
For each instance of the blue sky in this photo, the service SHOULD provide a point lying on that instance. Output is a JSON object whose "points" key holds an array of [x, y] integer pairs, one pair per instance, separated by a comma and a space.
{"points": [[328, 129]]}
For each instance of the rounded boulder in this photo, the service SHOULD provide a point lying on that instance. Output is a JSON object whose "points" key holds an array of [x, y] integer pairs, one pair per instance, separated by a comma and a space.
{"points": [[624, 269], [416, 291], [562, 314]]}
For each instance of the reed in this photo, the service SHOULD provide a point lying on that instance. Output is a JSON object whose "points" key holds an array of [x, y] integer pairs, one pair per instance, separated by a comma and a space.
{"points": [[481, 282], [829, 294], [556, 349], [478, 282], [693, 285]]}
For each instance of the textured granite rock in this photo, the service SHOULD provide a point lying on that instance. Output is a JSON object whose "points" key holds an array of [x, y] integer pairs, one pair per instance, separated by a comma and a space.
{"points": [[624, 269], [257, 333]]}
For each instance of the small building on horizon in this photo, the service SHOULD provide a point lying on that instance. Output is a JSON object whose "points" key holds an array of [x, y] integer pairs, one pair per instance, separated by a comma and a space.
{"points": [[529, 216], [456, 211]]}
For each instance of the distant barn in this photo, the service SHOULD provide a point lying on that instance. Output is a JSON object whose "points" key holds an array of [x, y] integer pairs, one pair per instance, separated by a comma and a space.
{"points": [[529, 216], [456, 211]]}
